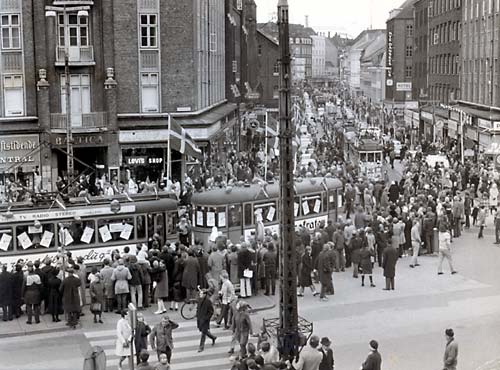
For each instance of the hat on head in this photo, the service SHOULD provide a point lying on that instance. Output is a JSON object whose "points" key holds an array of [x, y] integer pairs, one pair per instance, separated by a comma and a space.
{"points": [[374, 344], [325, 341], [449, 332]]}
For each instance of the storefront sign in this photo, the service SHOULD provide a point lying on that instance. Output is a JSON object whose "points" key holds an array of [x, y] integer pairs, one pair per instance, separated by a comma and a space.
{"points": [[471, 134], [427, 116], [403, 86], [454, 115], [142, 161], [17, 149], [482, 123], [484, 139], [81, 140], [452, 125], [390, 51]]}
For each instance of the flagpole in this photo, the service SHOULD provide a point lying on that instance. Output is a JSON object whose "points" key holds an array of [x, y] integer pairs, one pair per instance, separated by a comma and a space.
{"points": [[266, 149], [169, 149]]}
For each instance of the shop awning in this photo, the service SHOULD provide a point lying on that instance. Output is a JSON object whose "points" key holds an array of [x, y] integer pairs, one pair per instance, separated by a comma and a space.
{"points": [[209, 117], [488, 115]]}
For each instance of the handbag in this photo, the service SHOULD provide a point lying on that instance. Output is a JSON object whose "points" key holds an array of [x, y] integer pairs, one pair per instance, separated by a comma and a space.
{"points": [[126, 344], [96, 307]]}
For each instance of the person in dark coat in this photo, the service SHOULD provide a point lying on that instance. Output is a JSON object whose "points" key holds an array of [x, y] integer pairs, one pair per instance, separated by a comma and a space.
{"points": [[381, 237], [204, 313], [306, 269], [204, 269], [32, 287], [71, 297], [389, 259], [43, 288], [366, 255], [270, 263], [328, 361], [97, 297], [54, 300], [191, 275], [177, 291], [356, 245], [244, 263], [394, 192], [17, 290], [142, 330], [374, 360], [6, 285], [325, 270]]}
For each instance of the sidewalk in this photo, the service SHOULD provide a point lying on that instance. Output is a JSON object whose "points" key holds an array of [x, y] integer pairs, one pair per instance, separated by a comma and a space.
{"points": [[18, 327]]}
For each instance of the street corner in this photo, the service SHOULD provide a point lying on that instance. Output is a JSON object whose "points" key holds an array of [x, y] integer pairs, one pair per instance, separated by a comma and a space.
{"points": [[262, 303], [19, 327]]}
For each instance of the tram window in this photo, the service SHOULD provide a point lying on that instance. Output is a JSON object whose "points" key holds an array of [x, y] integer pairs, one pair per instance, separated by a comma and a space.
{"points": [[371, 157], [332, 199], [221, 217], [248, 215], [141, 226], [151, 224], [111, 230], [311, 204], [379, 157], [33, 237], [362, 157], [199, 216], [78, 228], [172, 220], [324, 196], [6, 240], [297, 207], [234, 212], [269, 211]]}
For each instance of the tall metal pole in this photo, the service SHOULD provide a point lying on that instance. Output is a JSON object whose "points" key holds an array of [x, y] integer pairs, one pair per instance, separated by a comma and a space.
{"points": [[69, 129], [288, 333]]}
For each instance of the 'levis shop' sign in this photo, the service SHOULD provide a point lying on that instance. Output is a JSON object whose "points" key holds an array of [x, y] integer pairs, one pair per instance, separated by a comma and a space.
{"points": [[18, 150]]}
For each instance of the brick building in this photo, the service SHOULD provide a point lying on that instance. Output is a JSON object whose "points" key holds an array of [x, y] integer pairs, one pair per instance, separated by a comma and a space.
{"points": [[269, 69], [444, 50], [399, 60], [152, 59], [420, 49]]}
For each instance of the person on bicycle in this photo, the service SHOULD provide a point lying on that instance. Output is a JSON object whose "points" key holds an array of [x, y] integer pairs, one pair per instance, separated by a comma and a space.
{"points": [[204, 314]]}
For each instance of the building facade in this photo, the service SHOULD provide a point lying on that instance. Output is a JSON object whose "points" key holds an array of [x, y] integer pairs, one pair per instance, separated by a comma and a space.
{"points": [[399, 58], [420, 49], [444, 50], [269, 70], [318, 56], [373, 71], [154, 60]]}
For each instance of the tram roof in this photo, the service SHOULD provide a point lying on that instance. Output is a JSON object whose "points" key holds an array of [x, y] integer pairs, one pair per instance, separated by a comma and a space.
{"points": [[218, 197]]}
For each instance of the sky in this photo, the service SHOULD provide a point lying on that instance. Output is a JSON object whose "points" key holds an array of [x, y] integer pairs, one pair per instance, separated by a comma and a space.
{"points": [[344, 16]]}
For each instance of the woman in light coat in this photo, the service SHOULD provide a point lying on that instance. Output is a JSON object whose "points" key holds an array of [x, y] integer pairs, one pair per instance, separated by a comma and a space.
{"points": [[121, 276], [123, 338]]}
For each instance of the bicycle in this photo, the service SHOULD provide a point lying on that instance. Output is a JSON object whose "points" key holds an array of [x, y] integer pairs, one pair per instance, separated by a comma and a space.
{"points": [[190, 306]]}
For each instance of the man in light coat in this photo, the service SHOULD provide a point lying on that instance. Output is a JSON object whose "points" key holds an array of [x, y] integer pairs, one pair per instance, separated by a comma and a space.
{"points": [[310, 358], [416, 242], [161, 337]]}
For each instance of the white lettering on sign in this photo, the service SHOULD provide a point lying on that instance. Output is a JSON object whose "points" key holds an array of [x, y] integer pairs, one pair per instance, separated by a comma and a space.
{"points": [[58, 214], [309, 223], [89, 255]]}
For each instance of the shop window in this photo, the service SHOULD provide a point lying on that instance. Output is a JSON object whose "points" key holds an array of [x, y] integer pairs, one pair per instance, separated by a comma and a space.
{"points": [[149, 92], [234, 215], [111, 230], [34, 236], [13, 95], [11, 31], [269, 211], [6, 239], [149, 30]]}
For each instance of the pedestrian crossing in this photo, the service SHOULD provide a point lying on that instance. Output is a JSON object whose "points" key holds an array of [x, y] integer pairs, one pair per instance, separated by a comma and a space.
{"points": [[185, 354]]}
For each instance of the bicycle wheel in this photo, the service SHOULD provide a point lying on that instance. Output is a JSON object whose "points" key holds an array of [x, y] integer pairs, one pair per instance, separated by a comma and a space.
{"points": [[188, 310]]}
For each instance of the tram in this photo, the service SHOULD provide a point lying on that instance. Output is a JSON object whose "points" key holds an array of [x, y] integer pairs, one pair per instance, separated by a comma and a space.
{"points": [[236, 211], [91, 231], [367, 154]]}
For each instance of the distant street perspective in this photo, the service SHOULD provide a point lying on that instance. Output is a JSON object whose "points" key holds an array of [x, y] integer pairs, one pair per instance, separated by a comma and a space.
{"points": [[249, 185]]}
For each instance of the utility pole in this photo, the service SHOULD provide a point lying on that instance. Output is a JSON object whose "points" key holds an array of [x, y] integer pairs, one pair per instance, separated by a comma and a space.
{"points": [[288, 333]]}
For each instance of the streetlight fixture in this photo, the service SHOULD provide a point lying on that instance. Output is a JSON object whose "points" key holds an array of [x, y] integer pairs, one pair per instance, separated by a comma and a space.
{"points": [[51, 12]]}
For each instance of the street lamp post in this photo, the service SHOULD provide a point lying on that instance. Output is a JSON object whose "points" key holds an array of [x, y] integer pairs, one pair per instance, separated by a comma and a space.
{"points": [[82, 11]]}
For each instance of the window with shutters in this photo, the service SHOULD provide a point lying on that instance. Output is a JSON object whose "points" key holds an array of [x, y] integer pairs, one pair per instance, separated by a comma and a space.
{"points": [[11, 31], [149, 92], [149, 30], [13, 95]]}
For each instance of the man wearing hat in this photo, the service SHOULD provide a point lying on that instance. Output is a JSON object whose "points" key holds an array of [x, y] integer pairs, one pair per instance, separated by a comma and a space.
{"points": [[374, 360], [310, 358], [327, 363], [451, 351], [71, 297], [204, 313]]}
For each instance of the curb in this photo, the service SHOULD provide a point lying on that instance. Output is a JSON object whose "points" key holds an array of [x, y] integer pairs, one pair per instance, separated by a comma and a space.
{"points": [[263, 308], [35, 332]]}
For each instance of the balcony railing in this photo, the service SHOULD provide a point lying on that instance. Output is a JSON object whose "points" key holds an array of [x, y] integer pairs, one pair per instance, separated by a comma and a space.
{"points": [[76, 55], [95, 120]]}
